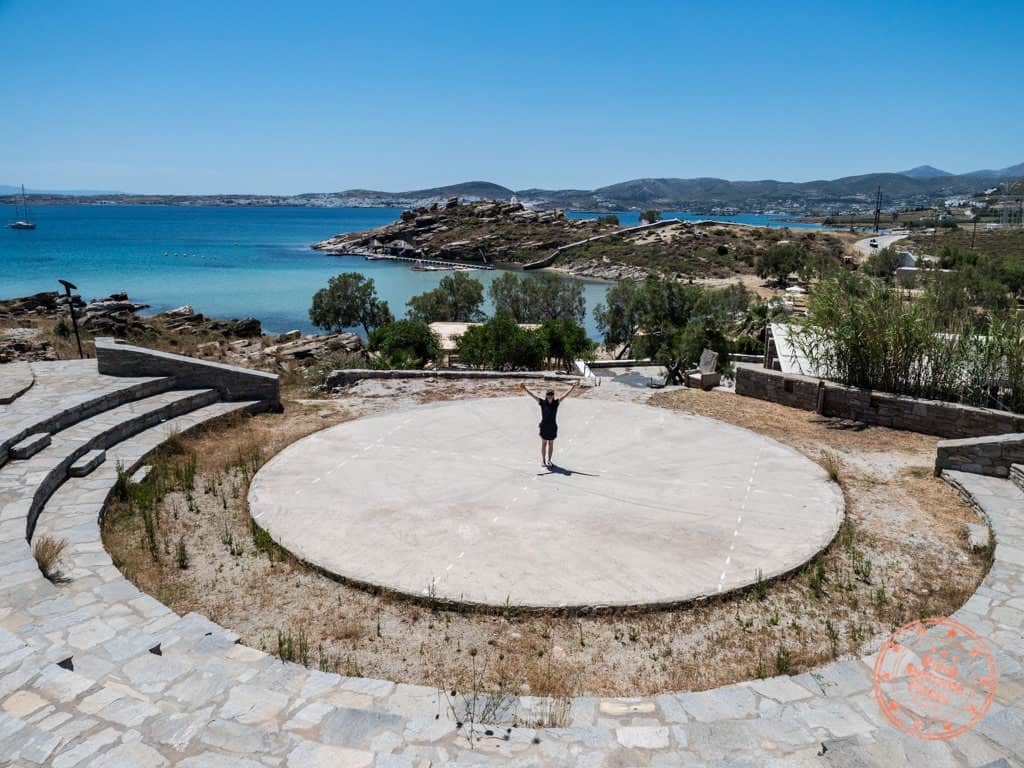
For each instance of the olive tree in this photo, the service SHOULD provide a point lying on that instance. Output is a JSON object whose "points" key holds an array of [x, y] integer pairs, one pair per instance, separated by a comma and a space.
{"points": [[348, 301]]}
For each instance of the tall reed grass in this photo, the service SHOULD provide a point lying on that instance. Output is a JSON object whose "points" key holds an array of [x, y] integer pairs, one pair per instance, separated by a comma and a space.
{"points": [[865, 333]]}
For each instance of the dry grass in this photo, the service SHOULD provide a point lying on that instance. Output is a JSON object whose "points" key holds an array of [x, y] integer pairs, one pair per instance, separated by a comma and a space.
{"points": [[830, 463], [900, 555], [48, 551]]}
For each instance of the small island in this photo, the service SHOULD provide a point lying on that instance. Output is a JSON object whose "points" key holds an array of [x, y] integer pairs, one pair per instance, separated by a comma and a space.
{"points": [[510, 234]]}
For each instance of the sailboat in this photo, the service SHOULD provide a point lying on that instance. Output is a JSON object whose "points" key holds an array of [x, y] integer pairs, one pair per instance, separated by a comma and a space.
{"points": [[24, 223]]}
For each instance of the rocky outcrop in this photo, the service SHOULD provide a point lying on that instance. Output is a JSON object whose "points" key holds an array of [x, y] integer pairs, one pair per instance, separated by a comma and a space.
{"points": [[478, 232], [113, 316], [185, 320], [238, 342], [313, 346]]}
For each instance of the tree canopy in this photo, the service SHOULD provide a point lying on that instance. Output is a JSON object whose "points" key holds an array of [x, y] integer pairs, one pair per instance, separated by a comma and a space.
{"points": [[882, 263], [348, 301], [779, 261], [535, 298], [500, 344], [669, 321], [457, 298], [565, 341]]}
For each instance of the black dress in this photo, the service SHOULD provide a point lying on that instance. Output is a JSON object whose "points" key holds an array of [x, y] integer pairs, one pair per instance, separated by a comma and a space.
{"points": [[548, 412]]}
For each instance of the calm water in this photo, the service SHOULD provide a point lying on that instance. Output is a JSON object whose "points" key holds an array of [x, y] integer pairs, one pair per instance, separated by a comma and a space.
{"points": [[241, 261], [629, 218]]}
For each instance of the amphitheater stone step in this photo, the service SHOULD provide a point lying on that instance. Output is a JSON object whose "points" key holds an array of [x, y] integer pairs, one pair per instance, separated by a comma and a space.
{"points": [[66, 393], [146, 687], [30, 446], [140, 474], [87, 462], [1017, 475]]}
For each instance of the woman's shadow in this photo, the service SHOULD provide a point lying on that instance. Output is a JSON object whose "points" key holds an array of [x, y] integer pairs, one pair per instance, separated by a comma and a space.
{"points": [[554, 469]]}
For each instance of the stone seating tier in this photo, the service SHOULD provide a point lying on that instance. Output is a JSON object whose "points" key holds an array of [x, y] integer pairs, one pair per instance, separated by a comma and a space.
{"points": [[96, 674]]}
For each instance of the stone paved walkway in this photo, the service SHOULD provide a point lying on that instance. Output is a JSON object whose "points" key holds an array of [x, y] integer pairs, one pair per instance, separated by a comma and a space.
{"points": [[15, 380], [94, 673]]}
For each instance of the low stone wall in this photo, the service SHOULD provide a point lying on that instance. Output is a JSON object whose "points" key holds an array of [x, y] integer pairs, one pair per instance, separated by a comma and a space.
{"points": [[348, 377], [981, 455], [230, 381], [929, 417]]}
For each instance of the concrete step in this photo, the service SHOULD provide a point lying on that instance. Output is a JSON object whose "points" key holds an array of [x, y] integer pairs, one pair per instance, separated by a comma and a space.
{"points": [[1017, 475], [30, 446], [87, 462], [140, 474]]}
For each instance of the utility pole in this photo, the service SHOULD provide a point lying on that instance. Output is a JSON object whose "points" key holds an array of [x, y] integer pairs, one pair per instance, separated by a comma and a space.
{"points": [[878, 208], [71, 308], [974, 232]]}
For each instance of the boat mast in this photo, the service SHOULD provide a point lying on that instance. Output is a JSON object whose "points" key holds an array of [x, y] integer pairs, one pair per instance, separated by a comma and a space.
{"points": [[24, 203]]}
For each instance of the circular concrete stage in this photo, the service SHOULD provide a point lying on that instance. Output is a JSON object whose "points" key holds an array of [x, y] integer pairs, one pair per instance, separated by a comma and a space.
{"points": [[645, 507]]}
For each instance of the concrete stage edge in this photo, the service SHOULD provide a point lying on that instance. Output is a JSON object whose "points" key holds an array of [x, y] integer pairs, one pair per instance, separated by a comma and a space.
{"points": [[646, 507]]}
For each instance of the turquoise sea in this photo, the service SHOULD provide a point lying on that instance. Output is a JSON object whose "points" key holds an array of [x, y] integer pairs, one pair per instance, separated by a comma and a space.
{"points": [[225, 262]]}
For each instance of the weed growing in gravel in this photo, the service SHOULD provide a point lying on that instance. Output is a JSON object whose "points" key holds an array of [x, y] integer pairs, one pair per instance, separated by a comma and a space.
{"points": [[830, 463], [181, 554], [782, 661], [293, 647], [263, 543]]}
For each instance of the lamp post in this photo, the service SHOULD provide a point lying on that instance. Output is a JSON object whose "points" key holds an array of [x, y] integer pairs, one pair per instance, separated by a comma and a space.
{"points": [[71, 308]]}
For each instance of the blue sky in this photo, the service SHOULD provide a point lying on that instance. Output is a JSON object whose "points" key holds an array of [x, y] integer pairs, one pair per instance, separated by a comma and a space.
{"points": [[288, 97]]}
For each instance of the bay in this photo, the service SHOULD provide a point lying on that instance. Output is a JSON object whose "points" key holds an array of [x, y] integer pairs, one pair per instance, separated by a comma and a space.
{"points": [[223, 261]]}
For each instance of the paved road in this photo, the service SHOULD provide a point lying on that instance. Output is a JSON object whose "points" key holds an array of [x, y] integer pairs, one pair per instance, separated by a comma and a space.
{"points": [[883, 241]]}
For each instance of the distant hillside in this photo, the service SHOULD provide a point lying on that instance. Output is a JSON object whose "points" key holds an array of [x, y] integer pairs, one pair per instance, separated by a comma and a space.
{"points": [[1012, 172], [9, 189], [921, 186], [684, 194], [483, 190], [925, 172]]}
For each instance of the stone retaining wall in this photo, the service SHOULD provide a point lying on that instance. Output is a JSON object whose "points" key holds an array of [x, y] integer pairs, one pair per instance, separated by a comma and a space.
{"points": [[981, 455], [929, 417], [231, 382], [350, 376]]}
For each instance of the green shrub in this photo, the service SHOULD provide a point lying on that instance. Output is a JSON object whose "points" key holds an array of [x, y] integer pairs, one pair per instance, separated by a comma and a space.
{"points": [[500, 344], [405, 344], [882, 263], [748, 345]]}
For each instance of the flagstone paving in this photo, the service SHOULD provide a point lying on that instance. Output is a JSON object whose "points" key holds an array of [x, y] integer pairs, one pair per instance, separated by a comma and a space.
{"points": [[95, 673]]}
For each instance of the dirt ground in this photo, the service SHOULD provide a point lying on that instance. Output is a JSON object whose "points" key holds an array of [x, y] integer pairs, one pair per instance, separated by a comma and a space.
{"points": [[900, 555]]}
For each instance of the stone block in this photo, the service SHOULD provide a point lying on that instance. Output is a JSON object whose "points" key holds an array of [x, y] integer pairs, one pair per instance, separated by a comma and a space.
{"points": [[30, 446], [87, 462]]}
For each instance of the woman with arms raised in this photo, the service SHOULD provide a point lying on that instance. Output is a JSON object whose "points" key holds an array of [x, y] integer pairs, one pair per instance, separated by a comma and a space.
{"points": [[548, 415]]}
